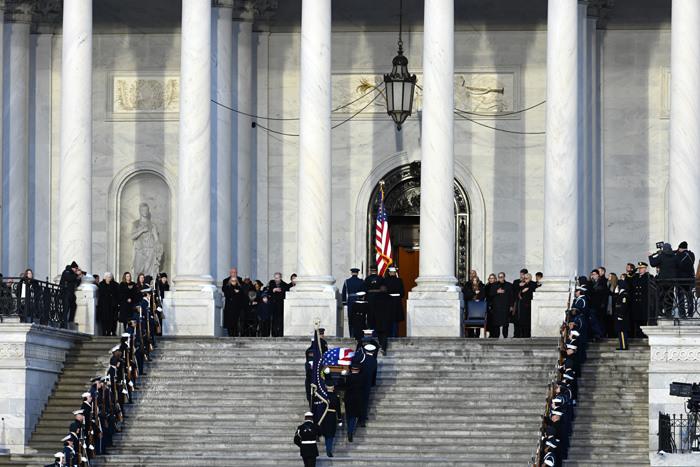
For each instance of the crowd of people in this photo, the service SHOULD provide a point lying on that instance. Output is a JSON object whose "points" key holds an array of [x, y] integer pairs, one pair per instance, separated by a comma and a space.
{"points": [[336, 378], [100, 414]]}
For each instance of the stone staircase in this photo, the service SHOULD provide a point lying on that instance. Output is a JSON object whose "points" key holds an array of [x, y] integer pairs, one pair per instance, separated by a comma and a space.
{"points": [[612, 419], [86, 360], [237, 402]]}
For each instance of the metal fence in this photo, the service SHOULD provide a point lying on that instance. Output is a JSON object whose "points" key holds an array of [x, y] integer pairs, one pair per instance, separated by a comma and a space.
{"points": [[679, 433], [673, 299], [32, 301]]}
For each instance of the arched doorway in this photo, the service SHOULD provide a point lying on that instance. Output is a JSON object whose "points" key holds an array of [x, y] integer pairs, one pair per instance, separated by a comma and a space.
{"points": [[402, 203]]}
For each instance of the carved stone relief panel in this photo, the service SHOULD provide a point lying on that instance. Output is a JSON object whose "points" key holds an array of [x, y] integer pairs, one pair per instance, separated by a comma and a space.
{"points": [[143, 97]]}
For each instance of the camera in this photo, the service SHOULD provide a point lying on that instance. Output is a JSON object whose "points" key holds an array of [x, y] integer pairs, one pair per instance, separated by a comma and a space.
{"points": [[688, 390], [660, 245]]}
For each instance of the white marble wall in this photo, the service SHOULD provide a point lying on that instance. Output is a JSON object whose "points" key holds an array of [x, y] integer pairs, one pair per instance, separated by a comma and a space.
{"points": [[507, 168]]}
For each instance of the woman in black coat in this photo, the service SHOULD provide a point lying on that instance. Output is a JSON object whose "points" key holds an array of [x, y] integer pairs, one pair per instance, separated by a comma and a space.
{"points": [[234, 306], [526, 290], [108, 305], [129, 297]]}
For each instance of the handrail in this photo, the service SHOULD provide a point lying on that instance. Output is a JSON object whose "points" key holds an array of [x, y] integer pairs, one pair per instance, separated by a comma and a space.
{"points": [[32, 301]]}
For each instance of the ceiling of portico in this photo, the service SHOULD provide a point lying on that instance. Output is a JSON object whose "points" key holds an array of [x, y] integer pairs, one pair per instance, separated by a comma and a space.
{"points": [[164, 15]]}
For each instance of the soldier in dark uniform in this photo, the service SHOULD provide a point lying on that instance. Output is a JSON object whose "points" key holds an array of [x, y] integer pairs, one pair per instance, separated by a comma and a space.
{"points": [[352, 286], [277, 288], [305, 437], [621, 315], [354, 398], [381, 316], [358, 316], [310, 362], [77, 433], [69, 451], [57, 460], [90, 430], [394, 286], [329, 423], [373, 281], [640, 300]]}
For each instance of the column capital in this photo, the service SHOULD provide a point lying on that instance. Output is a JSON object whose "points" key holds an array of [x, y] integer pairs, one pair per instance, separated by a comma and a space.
{"points": [[251, 10], [222, 3], [19, 11]]}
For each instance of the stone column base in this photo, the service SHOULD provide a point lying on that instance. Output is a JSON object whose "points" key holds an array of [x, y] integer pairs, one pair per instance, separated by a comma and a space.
{"points": [[304, 306], [434, 310], [193, 309], [549, 308], [86, 310]]}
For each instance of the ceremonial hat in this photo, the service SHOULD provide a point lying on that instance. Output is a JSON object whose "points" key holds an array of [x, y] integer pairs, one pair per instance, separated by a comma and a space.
{"points": [[575, 333], [58, 455], [78, 412], [367, 332], [126, 334], [556, 412], [95, 379], [146, 290], [116, 348], [308, 414], [392, 269], [370, 347], [361, 294], [642, 264], [85, 394], [355, 270], [66, 438], [582, 288]]}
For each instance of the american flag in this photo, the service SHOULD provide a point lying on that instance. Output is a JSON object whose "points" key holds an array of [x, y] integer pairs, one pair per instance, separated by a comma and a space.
{"points": [[338, 356], [382, 239]]}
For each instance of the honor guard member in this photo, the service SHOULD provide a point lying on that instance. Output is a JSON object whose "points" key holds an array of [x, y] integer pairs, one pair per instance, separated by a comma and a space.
{"points": [[90, 429], [369, 368], [309, 366], [329, 423], [358, 316], [354, 398], [373, 282], [621, 315], [57, 460], [305, 437], [381, 316], [352, 286], [69, 456], [639, 299], [394, 286]]}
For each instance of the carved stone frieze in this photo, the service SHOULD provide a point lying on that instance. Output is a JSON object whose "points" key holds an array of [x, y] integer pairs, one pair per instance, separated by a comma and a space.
{"points": [[11, 351], [675, 354]]}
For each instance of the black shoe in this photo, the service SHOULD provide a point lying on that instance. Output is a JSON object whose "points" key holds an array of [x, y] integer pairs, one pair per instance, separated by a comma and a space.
{"points": [[329, 454], [349, 437]]}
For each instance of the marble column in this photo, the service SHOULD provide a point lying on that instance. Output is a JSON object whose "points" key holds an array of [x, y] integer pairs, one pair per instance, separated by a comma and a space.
{"points": [[75, 166], [561, 202], [684, 158], [242, 31], [434, 306], [222, 134], [16, 139], [314, 297], [3, 197], [194, 307]]}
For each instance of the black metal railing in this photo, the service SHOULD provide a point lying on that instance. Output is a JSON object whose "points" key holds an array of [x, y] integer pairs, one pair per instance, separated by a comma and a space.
{"points": [[32, 301], [673, 299], [679, 433]]}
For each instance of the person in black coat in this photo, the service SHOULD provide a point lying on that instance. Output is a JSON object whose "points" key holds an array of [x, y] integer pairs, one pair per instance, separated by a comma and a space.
{"points": [[264, 315], [129, 297], [501, 294], [70, 281], [305, 437], [355, 408], [639, 300], [526, 290], [108, 305], [394, 287], [686, 274], [277, 288], [329, 423], [234, 306], [381, 316]]}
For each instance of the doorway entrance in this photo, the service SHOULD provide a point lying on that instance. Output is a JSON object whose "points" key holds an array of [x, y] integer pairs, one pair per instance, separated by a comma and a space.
{"points": [[402, 203]]}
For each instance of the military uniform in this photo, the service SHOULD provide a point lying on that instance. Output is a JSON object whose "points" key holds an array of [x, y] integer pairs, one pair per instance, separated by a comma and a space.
{"points": [[639, 301], [394, 287], [305, 437], [355, 408], [329, 423], [358, 318], [621, 315], [354, 289]]}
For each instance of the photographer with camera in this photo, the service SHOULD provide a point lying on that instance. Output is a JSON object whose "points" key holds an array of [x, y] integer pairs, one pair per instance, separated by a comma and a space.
{"points": [[686, 274], [666, 260]]}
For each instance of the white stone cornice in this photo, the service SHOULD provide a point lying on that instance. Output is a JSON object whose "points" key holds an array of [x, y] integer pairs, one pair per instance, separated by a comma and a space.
{"points": [[222, 3]]}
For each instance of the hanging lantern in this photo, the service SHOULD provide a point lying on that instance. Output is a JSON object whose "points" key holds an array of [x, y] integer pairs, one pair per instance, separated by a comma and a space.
{"points": [[399, 84]]}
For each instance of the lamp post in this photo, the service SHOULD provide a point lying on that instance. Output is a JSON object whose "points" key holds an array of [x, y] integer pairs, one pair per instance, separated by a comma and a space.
{"points": [[400, 84]]}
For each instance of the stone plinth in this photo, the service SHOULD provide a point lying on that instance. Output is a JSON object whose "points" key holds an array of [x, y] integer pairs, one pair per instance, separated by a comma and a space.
{"points": [[86, 311], [549, 308], [302, 307], [193, 310], [674, 355], [435, 313], [31, 359]]}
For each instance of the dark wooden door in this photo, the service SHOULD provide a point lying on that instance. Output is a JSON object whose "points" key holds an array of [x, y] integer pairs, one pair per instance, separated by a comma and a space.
{"points": [[407, 262]]}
